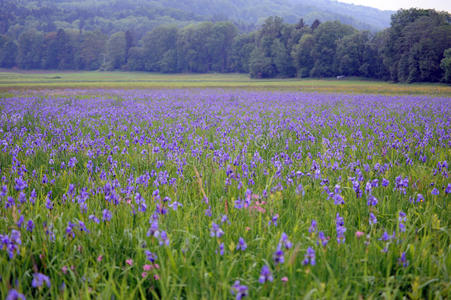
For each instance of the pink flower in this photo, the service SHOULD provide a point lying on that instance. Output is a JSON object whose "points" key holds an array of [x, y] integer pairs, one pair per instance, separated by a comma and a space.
{"points": [[129, 262], [248, 228], [147, 267], [156, 266], [64, 269], [99, 258], [359, 234], [258, 207], [156, 277], [284, 279], [144, 274]]}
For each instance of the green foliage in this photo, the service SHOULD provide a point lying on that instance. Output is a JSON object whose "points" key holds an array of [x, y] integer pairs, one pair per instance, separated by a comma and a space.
{"points": [[116, 51], [415, 45], [136, 59], [220, 41], [8, 52], [156, 43], [355, 56], [30, 50], [260, 65], [242, 47], [446, 65], [326, 37], [91, 51], [282, 60], [302, 55]]}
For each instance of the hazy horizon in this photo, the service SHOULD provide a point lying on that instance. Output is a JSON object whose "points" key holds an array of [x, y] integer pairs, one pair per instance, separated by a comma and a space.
{"points": [[395, 5]]}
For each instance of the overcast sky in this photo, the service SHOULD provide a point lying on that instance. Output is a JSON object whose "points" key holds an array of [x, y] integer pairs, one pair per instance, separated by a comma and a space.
{"points": [[397, 4]]}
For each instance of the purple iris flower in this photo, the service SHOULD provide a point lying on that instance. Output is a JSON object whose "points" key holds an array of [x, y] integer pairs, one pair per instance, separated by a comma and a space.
{"points": [[372, 201], [30, 225], [39, 279], [403, 260], [164, 240], [216, 230], [239, 291], [373, 219], [152, 257], [241, 244], [106, 215], [309, 257], [278, 256], [284, 241], [14, 295], [313, 226], [265, 275], [340, 229]]}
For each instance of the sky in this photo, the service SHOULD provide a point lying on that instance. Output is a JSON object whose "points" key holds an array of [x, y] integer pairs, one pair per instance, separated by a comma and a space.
{"points": [[397, 4]]}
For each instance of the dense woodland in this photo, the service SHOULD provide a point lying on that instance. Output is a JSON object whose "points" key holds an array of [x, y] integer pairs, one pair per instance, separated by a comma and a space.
{"points": [[415, 48]]}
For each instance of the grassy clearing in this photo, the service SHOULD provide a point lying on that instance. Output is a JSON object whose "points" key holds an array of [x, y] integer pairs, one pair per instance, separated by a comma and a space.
{"points": [[137, 80]]}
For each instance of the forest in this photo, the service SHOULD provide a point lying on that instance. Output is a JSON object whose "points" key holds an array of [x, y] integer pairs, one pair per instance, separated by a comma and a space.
{"points": [[415, 48]]}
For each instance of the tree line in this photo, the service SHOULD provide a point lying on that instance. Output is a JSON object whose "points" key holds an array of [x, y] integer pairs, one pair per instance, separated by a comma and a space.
{"points": [[415, 48]]}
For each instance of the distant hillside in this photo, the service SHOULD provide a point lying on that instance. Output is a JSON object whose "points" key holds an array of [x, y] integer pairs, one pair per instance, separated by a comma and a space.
{"points": [[111, 16], [254, 11]]}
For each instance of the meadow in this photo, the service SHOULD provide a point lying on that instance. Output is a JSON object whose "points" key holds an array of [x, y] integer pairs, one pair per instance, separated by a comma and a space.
{"points": [[208, 192], [142, 80]]}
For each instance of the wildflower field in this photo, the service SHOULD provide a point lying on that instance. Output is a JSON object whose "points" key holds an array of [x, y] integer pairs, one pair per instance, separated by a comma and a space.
{"points": [[220, 194]]}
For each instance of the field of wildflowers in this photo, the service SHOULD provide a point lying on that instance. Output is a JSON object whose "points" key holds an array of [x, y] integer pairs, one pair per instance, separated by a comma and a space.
{"points": [[219, 194]]}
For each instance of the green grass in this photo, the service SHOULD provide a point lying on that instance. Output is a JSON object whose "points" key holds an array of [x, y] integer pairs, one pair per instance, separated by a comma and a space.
{"points": [[141, 80]]}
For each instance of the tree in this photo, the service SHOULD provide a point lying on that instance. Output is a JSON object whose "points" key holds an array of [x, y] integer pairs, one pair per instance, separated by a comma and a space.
{"points": [[300, 24], [242, 47], [116, 51], [168, 63], [272, 58], [219, 43], [270, 30], [315, 24], [302, 56], [136, 59], [156, 43], [90, 54], [283, 62], [50, 51], [408, 27], [129, 41], [65, 51], [427, 38], [193, 54], [8, 51], [260, 66], [355, 56], [30, 50], [445, 64], [323, 53], [376, 49]]}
